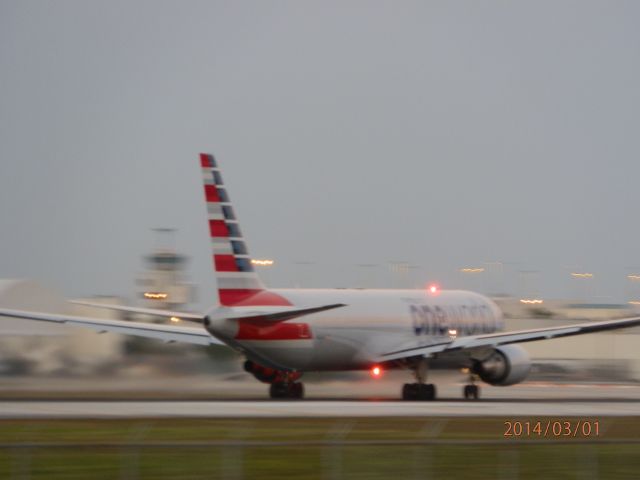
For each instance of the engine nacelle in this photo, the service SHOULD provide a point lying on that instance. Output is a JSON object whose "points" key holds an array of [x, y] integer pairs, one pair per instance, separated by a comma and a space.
{"points": [[507, 365]]}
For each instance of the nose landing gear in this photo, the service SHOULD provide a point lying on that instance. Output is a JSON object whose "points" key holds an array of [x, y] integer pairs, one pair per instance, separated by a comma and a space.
{"points": [[471, 391]]}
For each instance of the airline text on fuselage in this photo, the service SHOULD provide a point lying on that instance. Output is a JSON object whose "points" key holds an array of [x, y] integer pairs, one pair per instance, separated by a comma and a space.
{"points": [[462, 319]]}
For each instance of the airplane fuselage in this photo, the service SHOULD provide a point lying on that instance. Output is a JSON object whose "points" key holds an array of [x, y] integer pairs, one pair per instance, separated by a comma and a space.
{"points": [[371, 323]]}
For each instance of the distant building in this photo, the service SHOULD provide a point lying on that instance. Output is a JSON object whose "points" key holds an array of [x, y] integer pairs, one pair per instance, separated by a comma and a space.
{"points": [[163, 283]]}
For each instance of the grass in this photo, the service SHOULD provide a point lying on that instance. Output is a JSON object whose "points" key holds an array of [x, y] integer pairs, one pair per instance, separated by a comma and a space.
{"points": [[208, 448]]}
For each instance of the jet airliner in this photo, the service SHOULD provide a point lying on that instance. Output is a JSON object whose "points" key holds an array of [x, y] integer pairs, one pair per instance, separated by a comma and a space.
{"points": [[284, 333]]}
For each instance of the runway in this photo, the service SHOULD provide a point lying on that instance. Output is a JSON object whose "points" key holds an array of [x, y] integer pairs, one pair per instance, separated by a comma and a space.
{"points": [[311, 408], [206, 397]]}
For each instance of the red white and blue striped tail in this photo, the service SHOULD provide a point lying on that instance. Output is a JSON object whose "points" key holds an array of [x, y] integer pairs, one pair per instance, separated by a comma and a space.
{"points": [[238, 282]]}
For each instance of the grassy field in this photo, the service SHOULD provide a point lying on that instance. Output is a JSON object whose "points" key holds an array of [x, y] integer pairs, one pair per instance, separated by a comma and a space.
{"points": [[312, 449]]}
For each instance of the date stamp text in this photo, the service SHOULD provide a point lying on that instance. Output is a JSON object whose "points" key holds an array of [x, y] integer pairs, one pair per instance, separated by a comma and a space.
{"points": [[552, 429]]}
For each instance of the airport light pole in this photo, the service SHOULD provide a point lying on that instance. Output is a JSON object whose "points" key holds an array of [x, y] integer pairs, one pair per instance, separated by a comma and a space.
{"points": [[403, 274], [529, 287], [399, 270], [471, 277], [633, 288], [264, 264], [584, 284]]}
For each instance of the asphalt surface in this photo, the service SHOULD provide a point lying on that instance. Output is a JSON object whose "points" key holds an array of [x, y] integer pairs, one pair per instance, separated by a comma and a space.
{"points": [[242, 396], [340, 399], [311, 408]]}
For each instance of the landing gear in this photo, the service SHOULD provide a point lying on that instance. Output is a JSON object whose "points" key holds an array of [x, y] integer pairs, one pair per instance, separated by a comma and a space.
{"points": [[282, 383], [293, 390], [419, 390], [471, 391]]}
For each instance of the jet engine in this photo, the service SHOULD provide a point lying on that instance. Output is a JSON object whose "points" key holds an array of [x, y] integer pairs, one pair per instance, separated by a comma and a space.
{"points": [[506, 365]]}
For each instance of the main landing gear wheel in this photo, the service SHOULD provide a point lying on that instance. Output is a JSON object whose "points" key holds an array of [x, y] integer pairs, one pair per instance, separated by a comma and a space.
{"points": [[297, 390], [418, 391], [294, 390], [471, 392]]}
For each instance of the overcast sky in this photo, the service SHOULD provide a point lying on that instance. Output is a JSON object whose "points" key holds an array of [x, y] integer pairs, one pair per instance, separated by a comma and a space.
{"points": [[444, 134]]}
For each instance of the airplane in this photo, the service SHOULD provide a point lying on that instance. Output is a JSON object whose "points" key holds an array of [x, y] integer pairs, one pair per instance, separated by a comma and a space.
{"points": [[284, 333]]}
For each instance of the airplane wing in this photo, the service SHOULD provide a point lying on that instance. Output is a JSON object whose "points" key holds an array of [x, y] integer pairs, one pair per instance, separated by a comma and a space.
{"points": [[167, 333], [504, 338], [192, 317]]}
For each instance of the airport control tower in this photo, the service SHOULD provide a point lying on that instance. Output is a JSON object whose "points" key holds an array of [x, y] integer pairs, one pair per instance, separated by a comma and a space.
{"points": [[163, 284]]}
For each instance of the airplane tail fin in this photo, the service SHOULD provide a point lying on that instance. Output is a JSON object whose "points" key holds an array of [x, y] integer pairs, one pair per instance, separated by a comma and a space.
{"points": [[238, 282]]}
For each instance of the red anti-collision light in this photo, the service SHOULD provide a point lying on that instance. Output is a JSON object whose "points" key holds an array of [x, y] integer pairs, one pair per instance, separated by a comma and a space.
{"points": [[376, 372]]}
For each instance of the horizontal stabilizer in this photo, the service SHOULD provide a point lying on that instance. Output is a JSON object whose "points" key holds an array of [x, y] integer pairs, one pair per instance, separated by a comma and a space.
{"points": [[269, 316], [279, 314]]}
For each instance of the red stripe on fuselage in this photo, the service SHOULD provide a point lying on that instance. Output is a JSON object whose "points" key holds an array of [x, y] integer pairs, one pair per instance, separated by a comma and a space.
{"points": [[265, 330], [244, 297], [225, 263]]}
